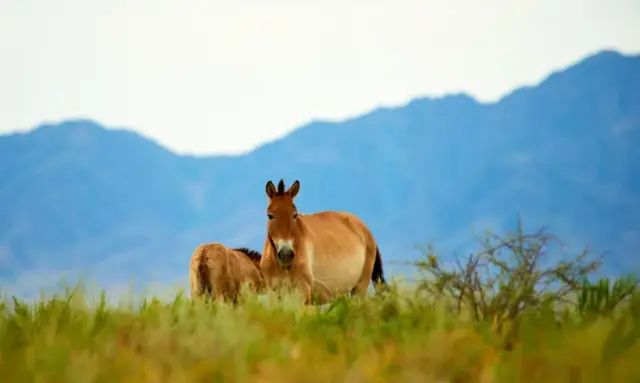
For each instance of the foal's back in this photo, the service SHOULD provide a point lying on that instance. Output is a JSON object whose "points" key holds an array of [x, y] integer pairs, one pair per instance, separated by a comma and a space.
{"points": [[219, 271]]}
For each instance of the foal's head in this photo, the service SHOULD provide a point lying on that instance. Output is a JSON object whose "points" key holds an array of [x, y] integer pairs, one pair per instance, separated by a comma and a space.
{"points": [[282, 228]]}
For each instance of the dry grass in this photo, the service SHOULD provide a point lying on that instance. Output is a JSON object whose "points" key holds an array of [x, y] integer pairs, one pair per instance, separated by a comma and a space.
{"points": [[398, 336]]}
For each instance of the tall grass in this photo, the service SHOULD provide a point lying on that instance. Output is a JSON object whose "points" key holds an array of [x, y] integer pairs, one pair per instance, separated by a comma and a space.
{"points": [[396, 336]]}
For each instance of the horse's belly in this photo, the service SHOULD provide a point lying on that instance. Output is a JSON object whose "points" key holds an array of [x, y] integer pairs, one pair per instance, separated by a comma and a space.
{"points": [[338, 273]]}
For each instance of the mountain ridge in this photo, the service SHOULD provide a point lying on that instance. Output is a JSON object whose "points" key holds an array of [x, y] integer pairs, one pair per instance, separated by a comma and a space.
{"points": [[112, 202]]}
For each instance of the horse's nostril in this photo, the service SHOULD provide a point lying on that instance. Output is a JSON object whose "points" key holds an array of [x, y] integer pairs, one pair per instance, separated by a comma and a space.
{"points": [[285, 256]]}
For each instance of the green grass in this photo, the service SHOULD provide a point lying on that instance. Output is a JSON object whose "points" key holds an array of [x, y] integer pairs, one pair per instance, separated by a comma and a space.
{"points": [[401, 335]]}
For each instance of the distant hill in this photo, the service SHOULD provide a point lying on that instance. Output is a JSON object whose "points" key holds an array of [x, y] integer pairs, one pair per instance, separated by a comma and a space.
{"points": [[76, 198]]}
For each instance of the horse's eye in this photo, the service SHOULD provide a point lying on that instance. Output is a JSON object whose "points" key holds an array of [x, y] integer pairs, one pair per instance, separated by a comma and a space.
{"points": [[295, 215], [270, 215]]}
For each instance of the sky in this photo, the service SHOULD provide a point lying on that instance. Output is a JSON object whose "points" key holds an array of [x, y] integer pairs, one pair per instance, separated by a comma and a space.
{"points": [[214, 77]]}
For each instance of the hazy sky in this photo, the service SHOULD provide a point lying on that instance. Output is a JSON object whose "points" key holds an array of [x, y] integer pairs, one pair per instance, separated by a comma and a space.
{"points": [[224, 76]]}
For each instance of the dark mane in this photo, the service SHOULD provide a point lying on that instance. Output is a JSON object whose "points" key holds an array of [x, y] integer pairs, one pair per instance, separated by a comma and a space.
{"points": [[252, 254], [280, 188]]}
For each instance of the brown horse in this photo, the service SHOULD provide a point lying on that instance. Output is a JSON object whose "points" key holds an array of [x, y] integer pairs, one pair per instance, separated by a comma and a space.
{"points": [[221, 272], [327, 253]]}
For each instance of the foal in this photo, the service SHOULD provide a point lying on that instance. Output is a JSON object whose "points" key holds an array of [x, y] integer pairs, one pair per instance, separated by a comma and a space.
{"points": [[327, 253], [221, 272]]}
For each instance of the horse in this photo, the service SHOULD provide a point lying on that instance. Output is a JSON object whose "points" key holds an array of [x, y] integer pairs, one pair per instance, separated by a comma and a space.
{"points": [[325, 254], [221, 272]]}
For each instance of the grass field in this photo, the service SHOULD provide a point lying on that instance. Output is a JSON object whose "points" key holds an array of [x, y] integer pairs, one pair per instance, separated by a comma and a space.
{"points": [[401, 335]]}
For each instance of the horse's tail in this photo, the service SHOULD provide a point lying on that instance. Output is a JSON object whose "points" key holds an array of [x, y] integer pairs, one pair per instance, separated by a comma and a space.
{"points": [[199, 273], [377, 276]]}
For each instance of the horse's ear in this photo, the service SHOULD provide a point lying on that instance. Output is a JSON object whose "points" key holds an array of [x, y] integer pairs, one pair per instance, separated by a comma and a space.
{"points": [[294, 189], [270, 189]]}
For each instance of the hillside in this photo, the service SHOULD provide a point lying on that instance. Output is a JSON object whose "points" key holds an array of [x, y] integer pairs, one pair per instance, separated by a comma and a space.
{"points": [[77, 198]]}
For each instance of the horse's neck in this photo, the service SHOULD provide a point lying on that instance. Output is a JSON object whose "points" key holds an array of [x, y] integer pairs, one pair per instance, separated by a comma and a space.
{"points": [[303, 231], [256, 262]]}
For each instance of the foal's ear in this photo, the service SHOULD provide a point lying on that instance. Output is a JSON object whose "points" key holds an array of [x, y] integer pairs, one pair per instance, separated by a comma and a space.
{"points": [[294, 189], [270, 189]]}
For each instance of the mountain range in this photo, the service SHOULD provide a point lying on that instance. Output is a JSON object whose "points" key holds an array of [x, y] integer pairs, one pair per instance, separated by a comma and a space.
{"points": [[79, 199]]}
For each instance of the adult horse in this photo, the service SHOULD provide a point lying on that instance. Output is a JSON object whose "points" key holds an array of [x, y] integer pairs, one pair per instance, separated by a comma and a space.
{"points": [[327, 253], [221, 272]]}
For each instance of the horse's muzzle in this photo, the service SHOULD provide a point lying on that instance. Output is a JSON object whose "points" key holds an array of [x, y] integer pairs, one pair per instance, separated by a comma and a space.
{"points": [[285, 257]]}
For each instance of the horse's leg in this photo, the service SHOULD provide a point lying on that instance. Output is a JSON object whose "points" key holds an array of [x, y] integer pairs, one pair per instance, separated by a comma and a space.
{"points": [[302, 279], [367, 269], [219, 288], [269, 269], [302, 283], [218, 275], [305, 290], [195, 276], [321, 293]]}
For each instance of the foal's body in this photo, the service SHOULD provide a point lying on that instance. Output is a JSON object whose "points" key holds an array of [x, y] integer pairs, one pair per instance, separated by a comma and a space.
{"points": [[221, 272], [333, 253]]}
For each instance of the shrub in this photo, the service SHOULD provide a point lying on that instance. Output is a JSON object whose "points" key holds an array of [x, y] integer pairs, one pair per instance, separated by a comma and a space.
{"points": [[510, 275]]}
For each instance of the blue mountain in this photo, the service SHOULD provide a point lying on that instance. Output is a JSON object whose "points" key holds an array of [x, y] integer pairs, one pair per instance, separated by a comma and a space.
{"points": [[80, 199]]}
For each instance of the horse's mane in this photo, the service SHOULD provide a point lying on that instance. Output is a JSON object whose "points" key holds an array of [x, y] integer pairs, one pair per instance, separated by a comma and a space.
{"points": [[252, 254]]}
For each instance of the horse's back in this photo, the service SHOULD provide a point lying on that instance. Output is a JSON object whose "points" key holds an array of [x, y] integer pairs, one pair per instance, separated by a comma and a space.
{"points": [[338, 225]]}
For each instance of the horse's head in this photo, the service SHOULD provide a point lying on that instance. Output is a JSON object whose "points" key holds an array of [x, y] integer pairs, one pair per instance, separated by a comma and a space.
{"points": [[282, 228]]}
